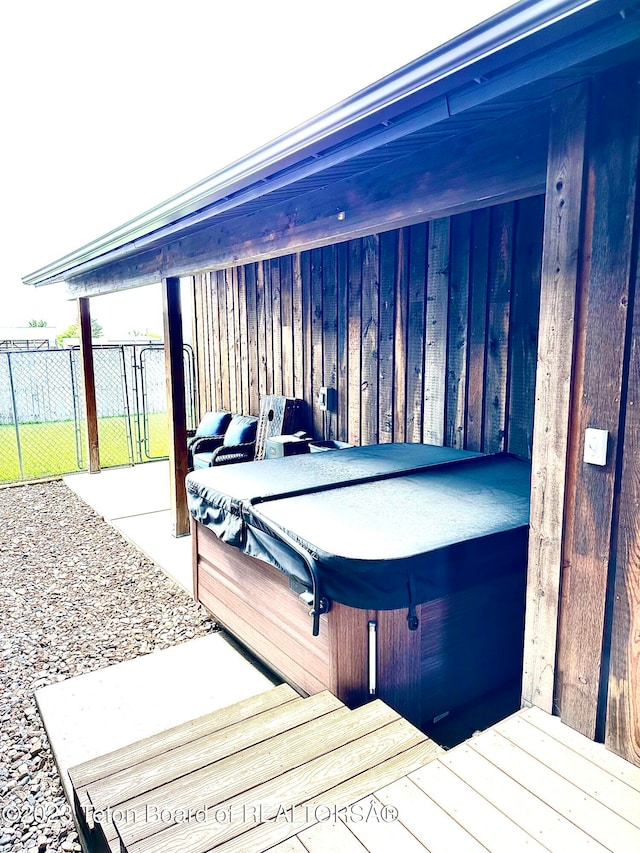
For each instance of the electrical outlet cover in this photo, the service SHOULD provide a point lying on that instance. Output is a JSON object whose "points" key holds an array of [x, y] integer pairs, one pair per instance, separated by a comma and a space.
{"points": [[595, 446]]}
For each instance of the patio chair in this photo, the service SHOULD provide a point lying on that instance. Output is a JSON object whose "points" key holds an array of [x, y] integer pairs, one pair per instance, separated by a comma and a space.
{"points": [[208, 436], [238, 444], [242, 438]]}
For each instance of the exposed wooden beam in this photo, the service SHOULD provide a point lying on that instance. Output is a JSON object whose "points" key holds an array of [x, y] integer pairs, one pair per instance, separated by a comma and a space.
{"points": [[176, 405], [496, 162], [558, 300], [89, 384]]}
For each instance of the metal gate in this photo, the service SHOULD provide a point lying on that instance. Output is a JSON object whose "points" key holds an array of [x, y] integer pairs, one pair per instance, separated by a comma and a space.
{"points": [[42, 418]]}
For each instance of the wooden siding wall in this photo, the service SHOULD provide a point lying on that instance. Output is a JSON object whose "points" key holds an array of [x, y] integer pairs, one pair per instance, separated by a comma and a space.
{"points": [[426, 333]]}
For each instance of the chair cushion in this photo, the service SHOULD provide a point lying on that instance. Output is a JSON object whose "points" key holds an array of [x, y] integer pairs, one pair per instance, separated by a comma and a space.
{"points": [[202, 460], [241, 430], [213, 423]]}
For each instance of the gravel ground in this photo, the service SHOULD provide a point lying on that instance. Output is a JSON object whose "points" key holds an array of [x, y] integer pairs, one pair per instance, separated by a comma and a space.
{"points": [[74, 597]]}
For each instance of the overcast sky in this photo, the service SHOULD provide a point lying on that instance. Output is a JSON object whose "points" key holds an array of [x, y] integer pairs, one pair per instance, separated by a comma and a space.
{"points": [[108, 108]]}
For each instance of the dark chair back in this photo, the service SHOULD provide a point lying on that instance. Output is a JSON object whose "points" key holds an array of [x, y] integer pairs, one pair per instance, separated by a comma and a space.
{"points": [[208, 436], [239, 443]]}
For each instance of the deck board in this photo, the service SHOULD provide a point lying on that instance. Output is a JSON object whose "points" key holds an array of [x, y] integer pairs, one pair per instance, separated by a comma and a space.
{"points": [[330, 838], [291, 845], [90, 771], [377, 831], [160, 744], [575, 768], [282, 774], [488, 824], [233, 775], [267, 835], [597, 753], [203, 751], [610, 830], [555, 832], [438, 831], [305, 781]]}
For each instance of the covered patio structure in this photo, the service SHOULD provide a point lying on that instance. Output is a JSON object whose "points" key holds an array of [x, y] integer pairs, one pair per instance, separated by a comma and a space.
{"points": [[453, 250]]}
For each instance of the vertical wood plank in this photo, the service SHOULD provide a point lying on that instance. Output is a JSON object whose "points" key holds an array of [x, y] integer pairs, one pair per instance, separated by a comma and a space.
{"points": [[197, 342], [316, 340], [612, 165], [400, 337], [355, 337], [276, 325], [480, 220], [231, 338], [223, 337], [268, 305], [386, 332], [436, 332], [204, 343], [243, 338], [307, 331], [563, 213], [200, 317], [418, 236], [176, 408], [298, 335], [457, 344], [329, 332], [214, 354], [500, 270], [214, 357], [525, 308], [369, 347], [213, 378], [252, 337], [237, 339], [343, 340], [261, 310], [89, 384], [623, 705], [209, 344], [286, 308]]}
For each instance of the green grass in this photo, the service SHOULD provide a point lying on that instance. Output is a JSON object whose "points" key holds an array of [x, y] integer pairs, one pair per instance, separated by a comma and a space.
{"points": [[50, 448]]}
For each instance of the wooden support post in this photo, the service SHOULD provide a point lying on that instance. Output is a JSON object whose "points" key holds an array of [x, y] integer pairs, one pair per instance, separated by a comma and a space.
{"points": [[593, 491], [89, 384], [623, 702], [176, 406], [560, 275]]}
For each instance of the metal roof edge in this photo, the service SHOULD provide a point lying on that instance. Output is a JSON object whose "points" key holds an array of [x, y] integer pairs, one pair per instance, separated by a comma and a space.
{"points": [[373, 105]]}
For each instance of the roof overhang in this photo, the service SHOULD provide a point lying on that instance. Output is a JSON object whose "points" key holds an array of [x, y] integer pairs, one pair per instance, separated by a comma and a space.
{"points": [[519, 50]]}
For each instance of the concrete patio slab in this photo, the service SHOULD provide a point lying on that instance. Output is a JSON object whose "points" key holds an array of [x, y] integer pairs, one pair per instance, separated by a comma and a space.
{"points": [[135, 500], [151, 534], [123, 492], [90, 715]]}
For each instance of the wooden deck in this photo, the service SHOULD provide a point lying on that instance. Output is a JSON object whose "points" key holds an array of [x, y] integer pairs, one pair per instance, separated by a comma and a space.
{"points": [[220, 779], [270, 774]]}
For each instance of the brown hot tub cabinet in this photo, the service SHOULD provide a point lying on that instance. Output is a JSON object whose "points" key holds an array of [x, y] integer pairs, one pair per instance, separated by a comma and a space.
{"points": [[439, 535]]}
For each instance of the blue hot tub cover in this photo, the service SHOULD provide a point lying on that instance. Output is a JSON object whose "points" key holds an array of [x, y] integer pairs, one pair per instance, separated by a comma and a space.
{"points": [[378, 527]]}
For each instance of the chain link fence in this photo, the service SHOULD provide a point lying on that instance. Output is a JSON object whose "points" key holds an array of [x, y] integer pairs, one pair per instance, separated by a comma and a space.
{"points": [[42, 418]]}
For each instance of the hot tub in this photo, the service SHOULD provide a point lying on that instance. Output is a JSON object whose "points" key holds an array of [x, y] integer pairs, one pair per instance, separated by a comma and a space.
{"points": [[410, 558]]}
